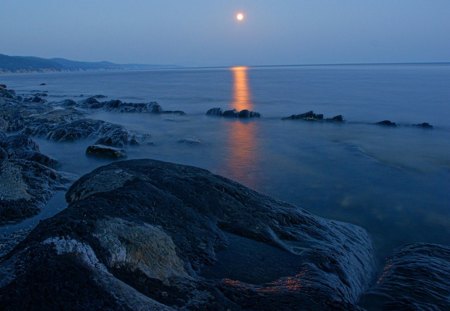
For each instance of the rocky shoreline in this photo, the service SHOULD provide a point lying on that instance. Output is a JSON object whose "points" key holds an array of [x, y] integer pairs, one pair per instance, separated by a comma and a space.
{"points": [[151, 235]]}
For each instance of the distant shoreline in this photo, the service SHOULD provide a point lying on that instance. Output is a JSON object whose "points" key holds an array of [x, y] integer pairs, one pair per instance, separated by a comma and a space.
{"points": [[157, 68]]}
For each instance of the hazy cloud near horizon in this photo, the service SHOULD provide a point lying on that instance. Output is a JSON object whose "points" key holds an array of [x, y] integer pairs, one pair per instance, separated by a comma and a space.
{"points": [[204, 32]]}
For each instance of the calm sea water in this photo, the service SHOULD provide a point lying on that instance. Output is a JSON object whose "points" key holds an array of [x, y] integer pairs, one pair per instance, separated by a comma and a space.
{"points": [[394, 182]]}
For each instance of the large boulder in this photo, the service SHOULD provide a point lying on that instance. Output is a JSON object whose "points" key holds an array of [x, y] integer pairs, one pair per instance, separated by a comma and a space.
{"points": [[416, 277], [27, 180], [150, 235]]}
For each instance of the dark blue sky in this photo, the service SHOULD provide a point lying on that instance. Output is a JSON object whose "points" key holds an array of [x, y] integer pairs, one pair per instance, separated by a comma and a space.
{"points": [[204, 32]]}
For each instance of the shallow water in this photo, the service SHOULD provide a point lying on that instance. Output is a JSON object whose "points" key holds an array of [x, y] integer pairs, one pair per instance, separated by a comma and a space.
{"points": [[394, 182]]}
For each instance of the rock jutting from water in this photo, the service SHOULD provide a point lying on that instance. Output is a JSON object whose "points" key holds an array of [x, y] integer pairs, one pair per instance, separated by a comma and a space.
{"points": [[151, 235], [27, 178], [311, 116], [387, 123], [424, 125], [243, 114], [119, 106], [108, 152]]}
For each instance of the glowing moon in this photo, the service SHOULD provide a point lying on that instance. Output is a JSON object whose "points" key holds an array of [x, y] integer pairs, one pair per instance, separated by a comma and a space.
{"points": [[240, 17]]}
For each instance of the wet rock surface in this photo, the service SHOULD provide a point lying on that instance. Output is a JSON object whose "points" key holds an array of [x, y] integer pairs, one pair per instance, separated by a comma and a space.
{"points": [[415, 278], [102, 151], [27, 178], [159, 236]]}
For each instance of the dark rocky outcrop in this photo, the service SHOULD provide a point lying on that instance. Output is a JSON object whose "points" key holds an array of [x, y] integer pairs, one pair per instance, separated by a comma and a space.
{"points": [[6, 93], [338, 118], [311, 116], [35, 99], [149, 235], [424, 125], [243, 114], [307, 116], [27, 179], [119, 106], [387, 123], [415, 278], [102, 151]]}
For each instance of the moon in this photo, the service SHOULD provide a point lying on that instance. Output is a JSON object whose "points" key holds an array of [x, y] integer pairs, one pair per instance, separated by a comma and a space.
{"points": [[240, 17]]}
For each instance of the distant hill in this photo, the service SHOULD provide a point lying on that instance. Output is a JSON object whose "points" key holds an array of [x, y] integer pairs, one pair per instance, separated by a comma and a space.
{"points": [[36, 64]]}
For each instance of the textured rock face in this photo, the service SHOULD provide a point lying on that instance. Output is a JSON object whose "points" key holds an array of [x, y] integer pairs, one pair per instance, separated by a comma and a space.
{"points": [[150, 235], [415, 278], [27, 180]]}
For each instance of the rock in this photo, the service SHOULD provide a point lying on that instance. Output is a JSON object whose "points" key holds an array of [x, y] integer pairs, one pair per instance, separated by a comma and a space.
{"points": [[92, 103], [27, 180], [23, 147], [102, 151], [123, 107], [5, 93], [307, 116], [243, 114], [42, 84], [415, 278], [35, 99], [2, 86], [190, 141], [338, 118], [246, 114], [69, 103], [387, 123], [230, 113], [214, 112], [150, 235], [41, 94], [424, 125]]}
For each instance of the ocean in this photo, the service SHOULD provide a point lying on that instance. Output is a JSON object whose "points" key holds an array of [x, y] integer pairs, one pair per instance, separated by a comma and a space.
{"points": [[394, 182]]}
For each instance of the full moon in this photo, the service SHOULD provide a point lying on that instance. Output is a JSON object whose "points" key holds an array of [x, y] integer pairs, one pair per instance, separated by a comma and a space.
{"points": [[240, 17]]}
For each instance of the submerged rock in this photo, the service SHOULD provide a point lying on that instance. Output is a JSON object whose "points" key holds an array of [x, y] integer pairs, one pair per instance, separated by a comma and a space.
{"points": [[102, 151], [415, 278], [190, 141], [27, 179], [387, 123], [151, 235]]}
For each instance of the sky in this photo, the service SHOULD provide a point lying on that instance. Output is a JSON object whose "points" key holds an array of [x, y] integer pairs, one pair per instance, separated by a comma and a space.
{"points": [[206, 33]]}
